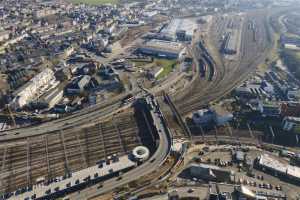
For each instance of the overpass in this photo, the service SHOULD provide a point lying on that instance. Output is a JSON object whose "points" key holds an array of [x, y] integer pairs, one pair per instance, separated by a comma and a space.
{"points": [[157, 159], [111, 180]]}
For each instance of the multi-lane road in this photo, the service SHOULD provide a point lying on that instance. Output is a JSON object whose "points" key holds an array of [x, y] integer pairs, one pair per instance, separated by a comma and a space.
{"points": [[152, 164], [200, 93]]}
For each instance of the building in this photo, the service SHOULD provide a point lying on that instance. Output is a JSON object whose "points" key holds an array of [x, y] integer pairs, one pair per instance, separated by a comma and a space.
{"points": [[239, 156], [270, 109], [245, 92], [222, 116], [63, 74], [161, 48], [224, 191], [249, 193], [210, 173], [293, 95], [290, 109], [53, 97], [278, 168], [291, 124], [290, 40], [79, 84], [103, 170], [181, 29], [44, 12], [35, 87], [203, 117], [4, 35], [215, 115]]}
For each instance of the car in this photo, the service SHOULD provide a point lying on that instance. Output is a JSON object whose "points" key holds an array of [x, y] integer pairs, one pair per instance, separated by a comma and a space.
{"points": [[278, 187], [119, 178], [99, 186], [240, 180], [190, 190]]}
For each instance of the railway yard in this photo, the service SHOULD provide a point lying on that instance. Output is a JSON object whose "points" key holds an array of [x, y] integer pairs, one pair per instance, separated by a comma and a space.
{"points": [[220, 73], [60, 153], [146, 107]]}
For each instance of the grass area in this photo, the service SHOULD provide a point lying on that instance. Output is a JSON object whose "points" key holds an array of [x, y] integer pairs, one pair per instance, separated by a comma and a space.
{"points": [[95, 2], [167, 65], [140, 63], [297, 129]]}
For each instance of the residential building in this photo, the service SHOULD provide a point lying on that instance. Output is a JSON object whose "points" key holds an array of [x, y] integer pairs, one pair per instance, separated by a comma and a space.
{"points": [[79, 84], [35, 87], [290, 109], [291, 124], [270, 109]]}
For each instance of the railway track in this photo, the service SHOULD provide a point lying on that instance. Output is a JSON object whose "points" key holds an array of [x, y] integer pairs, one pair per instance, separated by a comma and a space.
{"points": [[63, 152], [227, 77]]}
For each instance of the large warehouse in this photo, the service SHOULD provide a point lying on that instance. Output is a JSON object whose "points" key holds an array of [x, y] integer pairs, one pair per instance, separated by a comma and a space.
{"points": [[162, 48], [274, 166], [181, 29]]}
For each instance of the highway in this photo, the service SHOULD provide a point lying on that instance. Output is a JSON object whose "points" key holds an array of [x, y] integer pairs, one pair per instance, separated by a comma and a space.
{"points": [[63, 141], [84, 117], [201, 92]]}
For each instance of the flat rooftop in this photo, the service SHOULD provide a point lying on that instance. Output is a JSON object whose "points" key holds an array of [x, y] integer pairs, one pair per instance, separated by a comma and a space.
{"points": [[164, 45], [276, 165], [40, 191], [187, 24]]}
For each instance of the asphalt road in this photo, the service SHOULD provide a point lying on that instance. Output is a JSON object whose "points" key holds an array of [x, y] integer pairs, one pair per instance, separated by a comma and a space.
{"points": [[149, 166]]}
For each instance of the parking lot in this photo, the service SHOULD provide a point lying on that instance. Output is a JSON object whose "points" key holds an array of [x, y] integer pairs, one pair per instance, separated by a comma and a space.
{"points": [[255, 180]]}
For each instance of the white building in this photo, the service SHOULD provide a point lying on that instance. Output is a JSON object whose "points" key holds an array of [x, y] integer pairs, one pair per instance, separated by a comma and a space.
{"points": [[204, 116], [4, 35], [217, 115], [177, 25], [290, 123], [53, 97], [36, 86], [268, 163]]}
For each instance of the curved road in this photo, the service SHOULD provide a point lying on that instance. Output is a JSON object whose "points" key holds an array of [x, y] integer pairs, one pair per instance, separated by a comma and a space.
{"points": [[160, 155]]}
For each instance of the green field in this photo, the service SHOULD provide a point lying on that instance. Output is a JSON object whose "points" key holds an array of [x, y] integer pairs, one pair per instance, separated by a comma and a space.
{"points": [[94, 2], [168, 66]]}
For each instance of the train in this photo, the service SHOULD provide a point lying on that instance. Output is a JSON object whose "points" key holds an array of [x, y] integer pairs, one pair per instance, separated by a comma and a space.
{"points": [[202, 67], [211, 67]]}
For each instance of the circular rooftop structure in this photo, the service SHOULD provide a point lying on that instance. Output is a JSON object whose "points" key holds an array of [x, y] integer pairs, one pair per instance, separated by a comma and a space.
{"points": [[141, 153]]}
